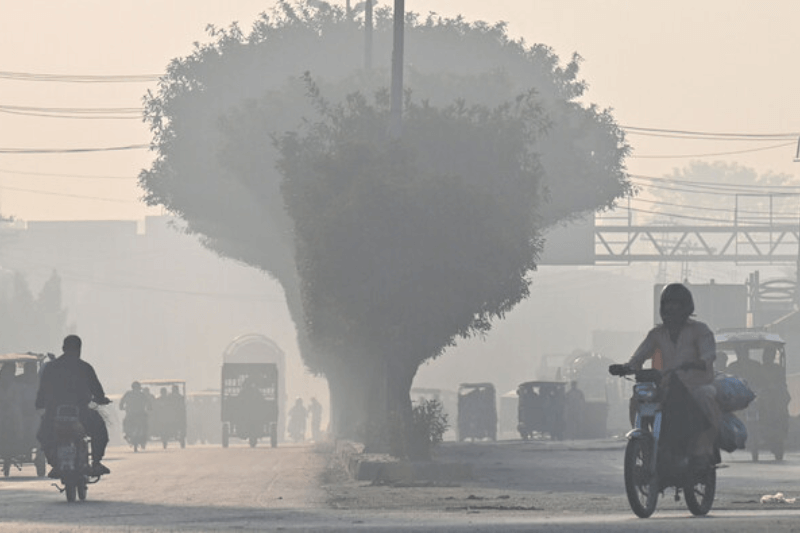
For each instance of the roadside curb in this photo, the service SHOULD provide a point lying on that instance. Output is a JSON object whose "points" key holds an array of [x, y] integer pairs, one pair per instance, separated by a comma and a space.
{"points": [[383, 469]]}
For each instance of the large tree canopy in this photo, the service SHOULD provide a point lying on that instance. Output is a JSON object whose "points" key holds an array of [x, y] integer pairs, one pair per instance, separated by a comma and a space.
{"points": [[374, 241]]}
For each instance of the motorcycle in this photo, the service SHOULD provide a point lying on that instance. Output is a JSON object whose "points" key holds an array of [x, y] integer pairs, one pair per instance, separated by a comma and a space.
{"points": [[72, 453], [136, 430], [657, 454]]}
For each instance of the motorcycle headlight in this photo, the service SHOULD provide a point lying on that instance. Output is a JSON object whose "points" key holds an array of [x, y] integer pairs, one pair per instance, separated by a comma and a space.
{"points": [[645, 392]]}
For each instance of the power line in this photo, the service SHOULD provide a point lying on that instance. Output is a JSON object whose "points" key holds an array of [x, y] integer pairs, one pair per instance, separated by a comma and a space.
{"points": [[708, 184], [712, 154], [77, 78], [775, 136], [48, 193], [71, 150], [77, 176], [74, 112]]}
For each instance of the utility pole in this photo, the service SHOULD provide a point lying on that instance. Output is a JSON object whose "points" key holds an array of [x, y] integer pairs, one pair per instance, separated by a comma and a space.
{"points": [[396, 112], [368, 35]]}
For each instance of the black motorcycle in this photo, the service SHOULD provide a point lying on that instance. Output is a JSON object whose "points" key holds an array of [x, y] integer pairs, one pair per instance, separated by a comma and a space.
{"points": [[657, 456], [135, 426], [72, 453]]}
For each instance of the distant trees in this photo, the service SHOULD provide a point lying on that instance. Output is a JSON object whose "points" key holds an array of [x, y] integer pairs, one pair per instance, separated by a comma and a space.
{"points": [[28, 322], [387, 251], [717, 192]]}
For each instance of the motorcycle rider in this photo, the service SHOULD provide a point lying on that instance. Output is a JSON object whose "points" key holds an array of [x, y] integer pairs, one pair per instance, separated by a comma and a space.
{"points": [[136, 404], [68, 380], [687, 347], [297, 421]]}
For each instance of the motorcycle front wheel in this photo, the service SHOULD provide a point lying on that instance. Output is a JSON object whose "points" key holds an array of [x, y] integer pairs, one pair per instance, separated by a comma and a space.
{"points": [[641, 484], [81, 489], [70, 488], [699, 492]]}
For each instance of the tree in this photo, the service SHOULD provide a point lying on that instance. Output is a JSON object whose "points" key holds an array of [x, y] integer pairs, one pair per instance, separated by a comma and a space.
{"points": [[29, 323], [218, 109], [720, 192]]}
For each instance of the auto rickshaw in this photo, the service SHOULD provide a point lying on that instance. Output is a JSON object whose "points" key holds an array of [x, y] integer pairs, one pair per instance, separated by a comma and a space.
{"points": [[167, 420], [203, 413], [19, 420], [759, 357], [477, 411], [249, 402], [541, 409]]}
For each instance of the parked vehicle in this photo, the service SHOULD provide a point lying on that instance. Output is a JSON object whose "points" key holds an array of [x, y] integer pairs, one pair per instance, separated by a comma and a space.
{"points": [[19, 420], [249, 402], [759, 357], [203, 415], [657, 454], [477, 411], [541, 409]]}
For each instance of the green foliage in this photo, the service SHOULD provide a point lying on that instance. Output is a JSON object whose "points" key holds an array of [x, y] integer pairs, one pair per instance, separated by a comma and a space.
{"points": [[403, 246], [429, 423], [415, 437]]}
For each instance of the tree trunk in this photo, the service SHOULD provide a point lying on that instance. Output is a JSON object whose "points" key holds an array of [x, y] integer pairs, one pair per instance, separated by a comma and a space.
{"points": [[348, 400]]}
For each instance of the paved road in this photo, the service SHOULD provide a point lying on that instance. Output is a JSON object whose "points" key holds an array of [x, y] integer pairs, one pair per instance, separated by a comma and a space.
{"points": [[518, 487]]}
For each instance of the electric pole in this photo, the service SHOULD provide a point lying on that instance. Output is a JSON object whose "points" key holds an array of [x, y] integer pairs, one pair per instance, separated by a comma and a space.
{"points": [[396, 112]]}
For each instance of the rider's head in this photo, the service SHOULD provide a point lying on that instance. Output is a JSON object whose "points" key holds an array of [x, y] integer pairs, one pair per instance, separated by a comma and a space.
{"points": [[136, 385], [72, 345], [676, 304]]}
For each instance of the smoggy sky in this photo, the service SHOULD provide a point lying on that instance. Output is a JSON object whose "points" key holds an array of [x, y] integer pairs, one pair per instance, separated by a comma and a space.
{"points": [[725, 66]]}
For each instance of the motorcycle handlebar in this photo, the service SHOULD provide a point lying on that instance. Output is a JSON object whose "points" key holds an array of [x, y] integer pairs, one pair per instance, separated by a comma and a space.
{"points": [[620, 370]]}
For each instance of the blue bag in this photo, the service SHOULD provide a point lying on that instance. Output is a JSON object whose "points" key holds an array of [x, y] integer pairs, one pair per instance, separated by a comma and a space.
{"points": [[733, 394], [732, 433]]}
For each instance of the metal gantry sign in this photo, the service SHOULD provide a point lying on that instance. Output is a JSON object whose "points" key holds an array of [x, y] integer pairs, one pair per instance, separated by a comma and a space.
{"points": [[739, 244]]}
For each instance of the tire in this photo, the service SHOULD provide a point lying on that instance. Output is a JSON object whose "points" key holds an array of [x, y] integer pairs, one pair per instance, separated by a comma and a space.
{"points": [[700, 492], [253, 441], [273, 435], [81, 489], [641, 485], [778, 451], [41, 463], [225, 435], [6, 467], [70, 489]]}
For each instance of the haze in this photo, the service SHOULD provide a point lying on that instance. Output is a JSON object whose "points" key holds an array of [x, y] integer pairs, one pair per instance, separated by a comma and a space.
{"points": [[715, 66]]}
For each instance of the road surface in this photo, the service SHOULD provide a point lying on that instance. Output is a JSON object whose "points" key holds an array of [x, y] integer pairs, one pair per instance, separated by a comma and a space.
{"points": [[518, 486]]}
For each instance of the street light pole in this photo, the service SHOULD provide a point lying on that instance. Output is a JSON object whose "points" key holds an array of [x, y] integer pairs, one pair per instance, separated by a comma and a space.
{"points": [[396, 112], [368, 35]]}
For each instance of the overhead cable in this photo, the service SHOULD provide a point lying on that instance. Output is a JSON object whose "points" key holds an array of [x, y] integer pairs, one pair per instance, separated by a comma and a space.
{"points": [[72, 150], [77, 176], [77, 78], [684, 156]]}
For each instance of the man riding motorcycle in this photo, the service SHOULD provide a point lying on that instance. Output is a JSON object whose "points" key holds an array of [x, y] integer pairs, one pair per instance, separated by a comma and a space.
{"points": [[136, 404], [68, 380], [686, 347]]}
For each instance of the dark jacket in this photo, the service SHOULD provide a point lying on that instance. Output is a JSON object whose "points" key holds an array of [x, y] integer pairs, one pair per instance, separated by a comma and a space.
{"points": [[68, 381]]}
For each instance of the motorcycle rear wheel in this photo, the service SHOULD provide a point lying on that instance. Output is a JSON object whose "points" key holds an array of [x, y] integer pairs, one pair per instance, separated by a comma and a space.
{"points": [[641, 485], [699, 493]]}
